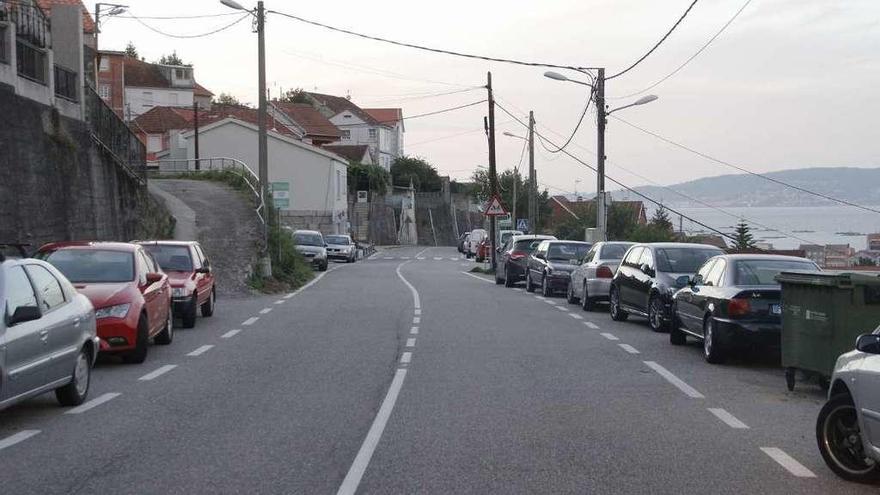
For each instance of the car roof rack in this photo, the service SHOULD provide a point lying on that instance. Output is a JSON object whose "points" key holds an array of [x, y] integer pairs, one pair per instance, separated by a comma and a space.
{"points": [[20, 246]]}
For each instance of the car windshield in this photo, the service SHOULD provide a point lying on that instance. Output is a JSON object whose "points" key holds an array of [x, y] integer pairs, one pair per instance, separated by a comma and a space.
{"points": [[171, 258], [308, 239], [559, 251], [527, 245], [683, 259], [338, 240], [613, 251], [764, 272], [93, 266]]}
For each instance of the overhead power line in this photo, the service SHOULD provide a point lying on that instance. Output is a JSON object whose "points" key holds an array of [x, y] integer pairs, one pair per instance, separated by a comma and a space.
{"points": [[576, 127], [190, 36], [427, 48], [173, 17], [742, 169], [657, 45], [416, 116], [695, 55]]}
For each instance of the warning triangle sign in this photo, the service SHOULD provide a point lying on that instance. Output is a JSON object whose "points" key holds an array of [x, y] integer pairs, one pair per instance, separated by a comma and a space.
{"points": [[494, 208]]}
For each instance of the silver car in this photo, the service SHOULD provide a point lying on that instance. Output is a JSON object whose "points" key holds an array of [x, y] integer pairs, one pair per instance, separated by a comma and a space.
{"points": [[48, 338], [591, 280], [848, 427], [341, 247], [311, 244]]}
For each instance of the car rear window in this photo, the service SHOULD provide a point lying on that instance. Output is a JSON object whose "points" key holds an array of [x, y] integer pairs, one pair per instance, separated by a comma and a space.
{"points": [[683, 259], [171, 258], [93, 266], [561, 251], [527, 245], [308, 240], [764, 272], [613, 251], [337, 239]]}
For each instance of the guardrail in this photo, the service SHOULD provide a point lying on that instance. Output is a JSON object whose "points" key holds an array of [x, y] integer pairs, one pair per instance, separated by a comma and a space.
{"points": [[224, 164]]}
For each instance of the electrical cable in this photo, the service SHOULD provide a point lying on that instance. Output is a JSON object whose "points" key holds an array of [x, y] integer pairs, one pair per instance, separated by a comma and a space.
{"points": [[426, 48], [695, 55], [657, 45], [576, 127], [742, 169], [416, 116], [450, 136], [423, 96], [190, 36], [173, 17]]}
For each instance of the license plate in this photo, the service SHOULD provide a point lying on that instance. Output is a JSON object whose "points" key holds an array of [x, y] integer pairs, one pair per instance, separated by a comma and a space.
{"points": [[775, 309]]}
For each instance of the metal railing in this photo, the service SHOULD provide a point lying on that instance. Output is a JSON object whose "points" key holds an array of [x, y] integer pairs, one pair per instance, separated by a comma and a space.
{"points": [[117, 139], [4, 46], [31, 24], [30, 61], [215, 164], [65, 84]]}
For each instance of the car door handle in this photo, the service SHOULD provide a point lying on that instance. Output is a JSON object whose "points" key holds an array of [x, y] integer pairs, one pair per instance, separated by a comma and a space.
{"points": [[76, 322], [44, 335]]}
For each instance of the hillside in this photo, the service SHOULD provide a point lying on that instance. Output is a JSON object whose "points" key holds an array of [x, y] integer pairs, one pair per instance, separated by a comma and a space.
{"points": [[859, 185]]}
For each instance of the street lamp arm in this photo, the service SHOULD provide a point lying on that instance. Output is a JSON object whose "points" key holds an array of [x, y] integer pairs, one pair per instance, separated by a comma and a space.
{"points": [[640, 101]]}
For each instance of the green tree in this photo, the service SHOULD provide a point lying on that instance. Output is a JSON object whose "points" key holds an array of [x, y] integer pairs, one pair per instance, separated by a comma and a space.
{"points": [[650, 233], [743, 235], [423, 175], [480, 189], [226, 99], [172, 59], [131, 50], [661, 220], [294, 96], [363, 177]]}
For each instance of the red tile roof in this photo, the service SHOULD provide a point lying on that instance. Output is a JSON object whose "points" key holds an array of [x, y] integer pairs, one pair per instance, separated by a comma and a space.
{"points": [[159, 120], [386, 115], [351, 152], [311, 120], [88, 22], [144, 75], [199, 90], [338, 104]]}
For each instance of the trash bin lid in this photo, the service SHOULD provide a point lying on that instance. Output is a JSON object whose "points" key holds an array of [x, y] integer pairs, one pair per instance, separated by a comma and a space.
{"points": [[842, 279]]}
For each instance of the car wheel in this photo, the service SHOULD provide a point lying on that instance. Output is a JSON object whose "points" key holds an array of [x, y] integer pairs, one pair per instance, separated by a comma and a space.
{"points": [[616, 312], [166, 336], [323, 267], [711, 349], [189, 315], [676, 336], [545, 288], [569, 295], [529, 286], [208, 306], [75, 392], [508, 279], [139, 354], [655, 314], [840, 441], [586, 302]]}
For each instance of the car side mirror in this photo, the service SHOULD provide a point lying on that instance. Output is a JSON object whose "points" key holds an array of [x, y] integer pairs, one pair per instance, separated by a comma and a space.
{"points": [[868, 343], [540, 256], [646, 269], [25, 313], [697, 280], [682, 281], [152, 278], [205, 269]]}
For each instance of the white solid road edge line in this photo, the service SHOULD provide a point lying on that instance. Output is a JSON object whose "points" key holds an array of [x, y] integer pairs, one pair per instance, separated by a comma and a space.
{"points": [[628, 348], [231, 333], [477, 277], [788, 462], [97, 401], [157, 373], [250, 321], [362, 460], [728, 419], [676, 381], [312, 282], [17, 438], [201, 350]]}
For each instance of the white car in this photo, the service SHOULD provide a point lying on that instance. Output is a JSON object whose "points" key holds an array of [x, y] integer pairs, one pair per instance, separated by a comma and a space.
{"points": [[473, 242], [848, 427]]}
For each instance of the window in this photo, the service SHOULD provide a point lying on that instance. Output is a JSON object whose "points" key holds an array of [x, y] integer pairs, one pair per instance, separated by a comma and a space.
{"points": [[104, 91], [683, 260], [716, 274], [590, 254], [65, 83], [705, 269], [19, 292], [346, 134], [372, 133], [171, 258], [4, 55], [172, 99], [47, 286], [143, 268], [31, 62], [182, 73], [88, 266], [105, 64], [763, 272], [633, 257], [647, 258], [613, 251], [338, 185]]}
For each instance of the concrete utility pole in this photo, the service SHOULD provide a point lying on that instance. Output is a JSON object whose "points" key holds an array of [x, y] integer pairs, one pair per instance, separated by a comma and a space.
{"points": [[196, 133], [600, 155], [533, 179], [263, 147], [493, 178]]}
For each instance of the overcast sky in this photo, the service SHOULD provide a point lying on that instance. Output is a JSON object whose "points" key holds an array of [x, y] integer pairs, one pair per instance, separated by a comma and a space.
{"points": [[791, 83]]}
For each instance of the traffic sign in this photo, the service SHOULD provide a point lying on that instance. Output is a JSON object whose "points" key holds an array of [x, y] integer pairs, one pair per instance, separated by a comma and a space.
{"points": [[494, 208], [522, 224]]}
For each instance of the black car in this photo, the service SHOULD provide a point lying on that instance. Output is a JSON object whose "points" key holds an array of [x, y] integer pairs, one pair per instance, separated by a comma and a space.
{"points": [[733, 302], [551, 264], [649, 275], [513, 258]]}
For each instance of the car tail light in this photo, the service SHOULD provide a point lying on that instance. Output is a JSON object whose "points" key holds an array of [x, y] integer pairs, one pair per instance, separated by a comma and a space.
{"points": [[517, 255], [738, 307], [604, 272]]}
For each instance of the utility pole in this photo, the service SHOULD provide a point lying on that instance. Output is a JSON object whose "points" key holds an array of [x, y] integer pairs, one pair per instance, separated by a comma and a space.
{"points": [[196, 133], [533, 179], [600, 155], [513, 207], [493, 179], [263, 148]]}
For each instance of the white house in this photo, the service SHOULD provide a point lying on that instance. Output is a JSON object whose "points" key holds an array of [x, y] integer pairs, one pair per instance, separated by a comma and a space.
{"points": [[310, 184]]}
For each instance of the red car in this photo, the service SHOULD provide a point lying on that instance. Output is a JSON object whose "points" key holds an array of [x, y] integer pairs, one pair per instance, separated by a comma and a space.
{"points": [[130, 293], [192, 280], [484, 250]]}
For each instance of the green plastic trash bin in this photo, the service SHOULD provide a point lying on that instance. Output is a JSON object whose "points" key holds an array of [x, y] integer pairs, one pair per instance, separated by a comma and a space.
{"points": [[822, 314]]}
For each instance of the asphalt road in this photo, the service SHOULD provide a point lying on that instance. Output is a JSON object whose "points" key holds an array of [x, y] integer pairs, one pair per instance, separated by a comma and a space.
{"points": [[403, 374]]}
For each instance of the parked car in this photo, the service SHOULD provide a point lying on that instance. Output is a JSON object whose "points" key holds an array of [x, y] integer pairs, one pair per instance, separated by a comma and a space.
{"points": [[341, 247], [190, 275], [591, 280], [551, 264], [130, 293], [48, 334], [311, 244], [504, 235], [733, 302], [462, 241], [512, 261], [648, 276], [475, 237], [848, 426], [484, 251]]}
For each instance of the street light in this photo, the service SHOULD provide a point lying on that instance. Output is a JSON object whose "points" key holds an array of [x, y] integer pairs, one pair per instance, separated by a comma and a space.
{"points": [[640, 101], [232, 4], [115, 9], [562, 77]]}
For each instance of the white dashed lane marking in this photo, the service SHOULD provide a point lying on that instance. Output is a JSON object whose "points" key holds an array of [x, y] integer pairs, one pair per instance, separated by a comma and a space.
{"points": [[576, 316], [676, 381], [437, 258], [561, 308], [414, 330], [201, 350], [410, 342], [517, 289], [417, 311], [263, 312], [231, 333], [788, 462], [97, 401], [728, 419], [157, 372], [417, 319], [280, 301], [250, 321], [406, 357], [628, 348], [591, 325], [17, 438], [609, 336]]}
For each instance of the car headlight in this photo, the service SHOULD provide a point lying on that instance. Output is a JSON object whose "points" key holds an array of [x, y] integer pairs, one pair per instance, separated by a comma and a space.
{"points": [[322, 254], [117, 311], [178, 292]]}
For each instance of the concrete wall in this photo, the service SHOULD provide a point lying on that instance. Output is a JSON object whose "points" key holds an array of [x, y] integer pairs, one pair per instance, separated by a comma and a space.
{"points": [[56, 185]]}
